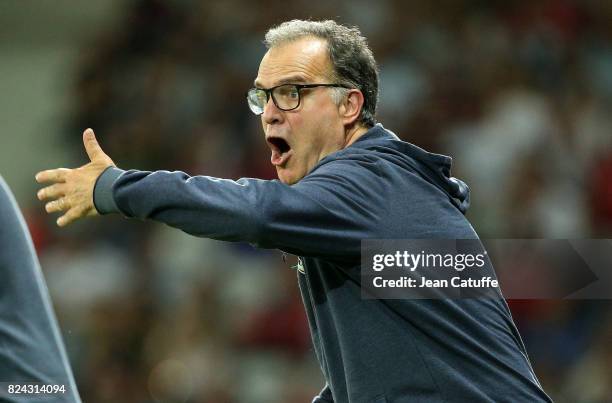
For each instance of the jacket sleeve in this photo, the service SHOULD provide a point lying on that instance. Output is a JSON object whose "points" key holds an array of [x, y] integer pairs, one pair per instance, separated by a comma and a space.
{"points": [[326, 214]]}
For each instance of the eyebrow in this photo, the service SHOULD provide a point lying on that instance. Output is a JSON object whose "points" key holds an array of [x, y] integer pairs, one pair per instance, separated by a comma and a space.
{"points": [[287, 80]]}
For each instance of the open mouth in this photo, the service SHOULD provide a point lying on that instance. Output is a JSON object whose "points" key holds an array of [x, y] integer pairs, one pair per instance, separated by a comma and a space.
{"points": [[281, 150]]}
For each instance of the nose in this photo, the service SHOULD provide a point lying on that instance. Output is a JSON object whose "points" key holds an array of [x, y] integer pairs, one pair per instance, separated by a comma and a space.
{"points": [[271, 114]]}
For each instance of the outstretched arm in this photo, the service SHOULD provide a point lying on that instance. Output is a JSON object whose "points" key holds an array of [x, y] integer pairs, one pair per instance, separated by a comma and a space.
{"points": [[326, 214]]}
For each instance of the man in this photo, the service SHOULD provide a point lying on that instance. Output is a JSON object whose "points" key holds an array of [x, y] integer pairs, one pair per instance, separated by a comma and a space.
{"points": [[342, 178], [31, 348]]}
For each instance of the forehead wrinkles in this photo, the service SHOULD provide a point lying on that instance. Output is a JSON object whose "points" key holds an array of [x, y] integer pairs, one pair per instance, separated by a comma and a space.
{"points": [[307, 58]]}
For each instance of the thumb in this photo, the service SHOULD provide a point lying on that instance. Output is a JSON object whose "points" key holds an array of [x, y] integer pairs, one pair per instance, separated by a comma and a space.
{"points": [[92, 147]]}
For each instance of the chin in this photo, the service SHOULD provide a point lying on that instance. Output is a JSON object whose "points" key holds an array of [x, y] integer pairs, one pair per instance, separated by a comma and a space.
{"points": [[286, 177], [286, 180]]}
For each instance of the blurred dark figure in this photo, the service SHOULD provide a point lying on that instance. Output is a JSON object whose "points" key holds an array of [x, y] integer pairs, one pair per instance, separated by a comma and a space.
{"points": [[31, 347]]}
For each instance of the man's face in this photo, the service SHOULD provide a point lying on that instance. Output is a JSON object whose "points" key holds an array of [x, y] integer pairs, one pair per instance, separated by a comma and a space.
{"points": [[300, 138]]}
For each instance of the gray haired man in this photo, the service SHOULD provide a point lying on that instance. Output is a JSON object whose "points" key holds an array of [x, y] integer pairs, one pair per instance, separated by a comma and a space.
{"points": [[343, 178]]}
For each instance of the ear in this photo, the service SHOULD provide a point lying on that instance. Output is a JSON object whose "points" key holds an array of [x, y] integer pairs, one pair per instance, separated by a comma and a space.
{"points": [[351, 106]]}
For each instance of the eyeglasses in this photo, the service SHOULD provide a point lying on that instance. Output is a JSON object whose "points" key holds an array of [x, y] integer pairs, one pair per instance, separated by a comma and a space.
{"points": [[286, 97]]}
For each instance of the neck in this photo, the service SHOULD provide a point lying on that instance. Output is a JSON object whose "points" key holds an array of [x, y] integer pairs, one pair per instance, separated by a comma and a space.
{"points": [[353, 134]]}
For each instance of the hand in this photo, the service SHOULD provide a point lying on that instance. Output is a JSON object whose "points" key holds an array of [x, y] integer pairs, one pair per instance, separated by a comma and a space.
{"points": [[72, 189]]}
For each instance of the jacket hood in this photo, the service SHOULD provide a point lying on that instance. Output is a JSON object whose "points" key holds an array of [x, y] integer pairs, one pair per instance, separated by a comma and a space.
{"points": [[435, 168]]}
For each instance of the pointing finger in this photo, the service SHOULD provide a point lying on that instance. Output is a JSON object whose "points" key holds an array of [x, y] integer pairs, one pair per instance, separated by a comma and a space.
{"points": [[51, 192], [52, 175]]}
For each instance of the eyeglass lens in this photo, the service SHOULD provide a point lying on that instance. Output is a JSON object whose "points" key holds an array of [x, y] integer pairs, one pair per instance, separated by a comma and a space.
{"points": [[285, 97]]}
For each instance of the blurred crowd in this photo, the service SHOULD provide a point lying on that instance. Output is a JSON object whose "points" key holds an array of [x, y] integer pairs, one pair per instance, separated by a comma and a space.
{"points": [[518, 93]]}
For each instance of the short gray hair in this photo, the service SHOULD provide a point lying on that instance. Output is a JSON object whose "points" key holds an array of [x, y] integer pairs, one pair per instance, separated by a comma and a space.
{"points": [[351, 58]]}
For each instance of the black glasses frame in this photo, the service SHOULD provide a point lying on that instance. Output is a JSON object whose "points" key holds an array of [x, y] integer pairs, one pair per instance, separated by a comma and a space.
{"points": [[269, 93]]}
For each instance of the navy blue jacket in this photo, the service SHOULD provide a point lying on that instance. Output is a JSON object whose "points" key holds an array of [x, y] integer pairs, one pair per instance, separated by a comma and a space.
{"points": [[370, 351]]}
